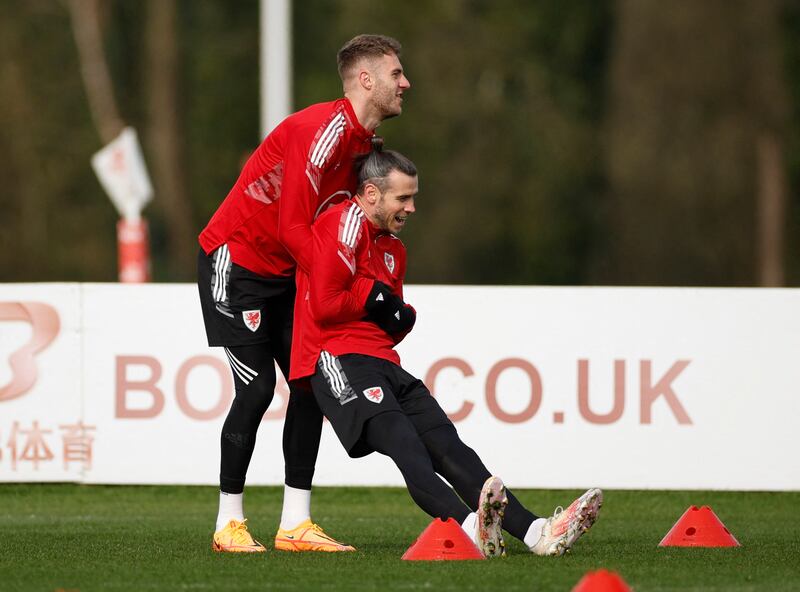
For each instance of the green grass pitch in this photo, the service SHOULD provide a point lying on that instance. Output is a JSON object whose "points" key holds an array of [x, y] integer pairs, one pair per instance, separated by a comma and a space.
{"points": [[105, 538]]}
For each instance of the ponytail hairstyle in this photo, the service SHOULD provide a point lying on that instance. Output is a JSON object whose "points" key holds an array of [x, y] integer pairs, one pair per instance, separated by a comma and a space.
{"points": [[375, 166]]}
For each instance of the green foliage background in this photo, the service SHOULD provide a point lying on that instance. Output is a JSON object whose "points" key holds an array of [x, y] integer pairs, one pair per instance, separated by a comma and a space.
{"points": [[578, 142]]}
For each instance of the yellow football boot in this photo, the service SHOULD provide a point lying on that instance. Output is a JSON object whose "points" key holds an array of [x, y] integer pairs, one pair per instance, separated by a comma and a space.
{"points": [[234, 538], [308, 537]]}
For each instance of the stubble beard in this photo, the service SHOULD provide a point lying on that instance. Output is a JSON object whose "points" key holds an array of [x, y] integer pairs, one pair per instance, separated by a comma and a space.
{"points": [[385, 221], [385, 103]]}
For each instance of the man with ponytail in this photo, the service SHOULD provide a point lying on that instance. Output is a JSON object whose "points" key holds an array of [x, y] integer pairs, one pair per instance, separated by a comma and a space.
{"points": [[250, 250], [352, 316]]}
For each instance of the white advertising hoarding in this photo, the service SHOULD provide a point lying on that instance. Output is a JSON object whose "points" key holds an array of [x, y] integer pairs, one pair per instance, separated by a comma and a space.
{"points": [[42, 433], [553, 387], [620, 387]]}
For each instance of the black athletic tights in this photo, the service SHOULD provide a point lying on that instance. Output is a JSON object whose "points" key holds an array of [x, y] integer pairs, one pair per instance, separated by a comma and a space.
{"points": [[254, 378], [439, 450]]}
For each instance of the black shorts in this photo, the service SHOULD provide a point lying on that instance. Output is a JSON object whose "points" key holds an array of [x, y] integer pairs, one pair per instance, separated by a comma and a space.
{"points": [[241, 307], [352, 388]]}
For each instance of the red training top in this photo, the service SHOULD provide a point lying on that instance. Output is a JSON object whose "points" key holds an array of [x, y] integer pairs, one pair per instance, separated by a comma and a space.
{"points": [[303, 166], [349, 254]]}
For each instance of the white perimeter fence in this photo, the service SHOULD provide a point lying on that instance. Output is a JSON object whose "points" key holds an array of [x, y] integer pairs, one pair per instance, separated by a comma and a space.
{"points": [[672, 388]]}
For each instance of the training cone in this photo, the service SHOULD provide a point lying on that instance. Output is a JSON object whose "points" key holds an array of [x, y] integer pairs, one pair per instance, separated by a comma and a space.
{"points": [[601, 580], [443, 541], [699, 527]]}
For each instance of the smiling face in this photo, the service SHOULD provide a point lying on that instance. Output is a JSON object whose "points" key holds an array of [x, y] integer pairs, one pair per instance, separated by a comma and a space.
{"points": [[389, 83], [389, 209]]}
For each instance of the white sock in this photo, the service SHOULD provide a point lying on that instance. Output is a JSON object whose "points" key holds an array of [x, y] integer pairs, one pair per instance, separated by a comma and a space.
{"points": [[535, 532], [470, 525], [296, 507], [230, 508]]}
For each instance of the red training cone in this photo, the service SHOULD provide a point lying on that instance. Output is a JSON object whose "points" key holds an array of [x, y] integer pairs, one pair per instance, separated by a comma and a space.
{"points": [[699, 527], [442, 541], [601, 580]]}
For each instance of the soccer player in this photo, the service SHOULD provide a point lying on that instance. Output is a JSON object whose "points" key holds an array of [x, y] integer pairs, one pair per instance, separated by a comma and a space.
{"points": [[250, 250], [355, 306]]}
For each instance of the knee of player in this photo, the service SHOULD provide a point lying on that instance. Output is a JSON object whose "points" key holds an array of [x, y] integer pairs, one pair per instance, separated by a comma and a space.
{"points": [[442, 440], [254, 396], [302, 399]]}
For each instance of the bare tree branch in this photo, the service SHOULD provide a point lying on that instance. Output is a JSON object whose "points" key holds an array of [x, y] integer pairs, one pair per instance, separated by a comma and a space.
{"points": [[771, 210], [164, 136], [94, 69]]}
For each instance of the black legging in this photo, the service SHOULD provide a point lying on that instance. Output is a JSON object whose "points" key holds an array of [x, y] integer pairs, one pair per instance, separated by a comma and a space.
{"points": [[464, 470], [393, 435], [302, 427]]}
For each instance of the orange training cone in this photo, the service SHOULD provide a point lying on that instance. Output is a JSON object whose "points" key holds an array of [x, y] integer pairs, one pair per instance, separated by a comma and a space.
{"points": [[699, 527], [442, 541], [601, 580]]}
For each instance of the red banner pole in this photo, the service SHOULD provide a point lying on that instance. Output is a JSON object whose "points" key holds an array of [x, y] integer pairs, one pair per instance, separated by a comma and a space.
{"points": [[133, 251]]}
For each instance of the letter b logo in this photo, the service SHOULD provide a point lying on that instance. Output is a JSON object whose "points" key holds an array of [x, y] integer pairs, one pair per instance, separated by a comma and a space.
{"points": [[44, 320]]}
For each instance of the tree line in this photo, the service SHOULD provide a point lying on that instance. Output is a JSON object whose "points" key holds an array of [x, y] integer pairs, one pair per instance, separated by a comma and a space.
{"points": [[584, 142]]}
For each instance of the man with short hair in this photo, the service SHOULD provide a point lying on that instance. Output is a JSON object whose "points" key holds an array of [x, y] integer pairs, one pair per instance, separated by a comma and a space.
{"points": [[250, 250], [353, 316]]}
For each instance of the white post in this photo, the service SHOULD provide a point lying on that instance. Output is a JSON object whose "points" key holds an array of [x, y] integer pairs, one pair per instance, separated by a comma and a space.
{"points": [[276, 58]]}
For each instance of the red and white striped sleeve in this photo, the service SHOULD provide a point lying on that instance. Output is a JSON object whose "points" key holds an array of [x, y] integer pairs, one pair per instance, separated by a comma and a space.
{"points": [[305, 162], [336, 292]]}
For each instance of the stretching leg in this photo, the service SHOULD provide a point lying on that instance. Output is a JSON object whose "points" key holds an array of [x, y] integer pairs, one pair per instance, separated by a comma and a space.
{"points": [[393, 435], [464, 470]]}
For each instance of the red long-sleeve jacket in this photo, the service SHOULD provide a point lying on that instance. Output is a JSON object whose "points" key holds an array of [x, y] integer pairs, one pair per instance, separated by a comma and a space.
{"points": [[349, 254], [303, 166]]}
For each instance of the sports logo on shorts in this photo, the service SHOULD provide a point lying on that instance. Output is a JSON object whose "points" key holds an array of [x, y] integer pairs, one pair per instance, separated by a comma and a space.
{"points": [[388, 258], [374, 394], [252, 319]]}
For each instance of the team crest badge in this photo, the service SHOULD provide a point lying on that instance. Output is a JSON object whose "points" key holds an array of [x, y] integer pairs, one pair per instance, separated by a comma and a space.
{"points": [[388, 258], [374, 394], [252, 319]]}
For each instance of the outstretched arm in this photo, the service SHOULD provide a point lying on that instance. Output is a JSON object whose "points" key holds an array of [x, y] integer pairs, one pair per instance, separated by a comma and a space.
{"points": [[296, 205]]}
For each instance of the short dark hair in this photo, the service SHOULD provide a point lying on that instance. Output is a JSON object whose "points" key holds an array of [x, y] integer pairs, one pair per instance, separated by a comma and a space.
{"points": [[375, 166], [365, 46]]}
